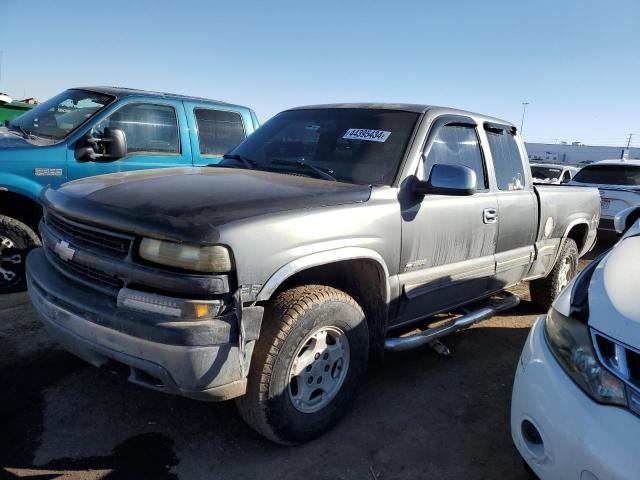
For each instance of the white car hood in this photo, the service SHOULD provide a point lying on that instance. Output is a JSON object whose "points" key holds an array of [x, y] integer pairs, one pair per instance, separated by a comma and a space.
{"points": [[614, 292]]}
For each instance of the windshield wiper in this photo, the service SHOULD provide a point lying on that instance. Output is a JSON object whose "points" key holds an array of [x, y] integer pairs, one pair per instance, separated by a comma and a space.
{"points": [[25, 133], [250, 164], [300, 163]]}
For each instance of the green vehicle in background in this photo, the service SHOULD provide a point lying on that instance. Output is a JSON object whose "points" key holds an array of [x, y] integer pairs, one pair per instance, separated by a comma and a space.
{"points": [[10, 109]]}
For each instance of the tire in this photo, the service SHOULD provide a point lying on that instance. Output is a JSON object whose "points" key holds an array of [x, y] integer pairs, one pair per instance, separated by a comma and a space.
{"points": [[293, 322], [16, 240], [545, 290]]}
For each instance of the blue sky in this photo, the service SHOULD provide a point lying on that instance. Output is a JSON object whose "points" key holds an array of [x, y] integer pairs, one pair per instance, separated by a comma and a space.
{"points": [[576, 62]]}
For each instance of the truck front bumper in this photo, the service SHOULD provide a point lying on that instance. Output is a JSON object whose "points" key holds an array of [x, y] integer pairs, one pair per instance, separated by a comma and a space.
{"points": [[579, 439], [197, 359]]}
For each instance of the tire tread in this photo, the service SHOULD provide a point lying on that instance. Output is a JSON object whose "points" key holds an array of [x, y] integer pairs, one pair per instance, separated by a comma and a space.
{"points": [[543, 290], [282, 315]]}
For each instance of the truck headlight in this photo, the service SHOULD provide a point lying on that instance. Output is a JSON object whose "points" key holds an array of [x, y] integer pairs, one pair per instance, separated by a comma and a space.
{"points": [[214, 258], [570, 343]]}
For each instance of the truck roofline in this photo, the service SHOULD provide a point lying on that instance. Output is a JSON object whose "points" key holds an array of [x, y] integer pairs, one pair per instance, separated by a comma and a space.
{"points": [[121, 92], [406, 107]]}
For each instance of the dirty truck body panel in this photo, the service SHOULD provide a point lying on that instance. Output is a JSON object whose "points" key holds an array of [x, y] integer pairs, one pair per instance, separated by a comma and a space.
{"points": [[430, 252]]}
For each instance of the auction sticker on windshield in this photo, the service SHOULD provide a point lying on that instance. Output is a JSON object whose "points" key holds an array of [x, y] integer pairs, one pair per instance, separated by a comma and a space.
{"points": [[365, 134]]}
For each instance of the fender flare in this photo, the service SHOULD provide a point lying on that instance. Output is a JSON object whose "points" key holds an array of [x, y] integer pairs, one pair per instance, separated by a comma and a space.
{"points": [[323, 258]]}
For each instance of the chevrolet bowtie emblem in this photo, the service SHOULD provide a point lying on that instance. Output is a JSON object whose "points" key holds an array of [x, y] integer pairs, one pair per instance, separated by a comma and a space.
{"points": [[64, 251]]}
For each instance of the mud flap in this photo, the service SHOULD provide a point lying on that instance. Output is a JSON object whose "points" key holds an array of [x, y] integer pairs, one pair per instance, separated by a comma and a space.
{"points": [[249, 322]]}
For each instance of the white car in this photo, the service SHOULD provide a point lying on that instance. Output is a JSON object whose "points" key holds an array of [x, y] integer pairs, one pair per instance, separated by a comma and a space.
{"points": [[619, 185], [575, 410], [552, 173]]}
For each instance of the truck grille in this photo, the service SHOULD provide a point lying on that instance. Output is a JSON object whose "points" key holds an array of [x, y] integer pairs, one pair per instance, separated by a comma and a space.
{"points": [[622, 360], [80, 234], [90, 276]]}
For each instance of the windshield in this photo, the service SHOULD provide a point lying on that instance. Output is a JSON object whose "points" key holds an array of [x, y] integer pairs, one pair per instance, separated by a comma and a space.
{"points": [[60, 115], [363, 146], [545, 172], [627, 175]]}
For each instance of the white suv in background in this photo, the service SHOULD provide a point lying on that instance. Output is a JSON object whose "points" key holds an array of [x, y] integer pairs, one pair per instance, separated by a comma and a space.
{"points": [[575, 411], [619, 185], [552, 173]]}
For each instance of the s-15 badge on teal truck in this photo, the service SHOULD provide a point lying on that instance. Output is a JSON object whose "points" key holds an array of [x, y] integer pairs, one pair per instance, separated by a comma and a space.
{"points": [[84, 132]]}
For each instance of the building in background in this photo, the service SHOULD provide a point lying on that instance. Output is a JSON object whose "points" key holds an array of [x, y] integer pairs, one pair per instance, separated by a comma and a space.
{"points": [[577, 153]]}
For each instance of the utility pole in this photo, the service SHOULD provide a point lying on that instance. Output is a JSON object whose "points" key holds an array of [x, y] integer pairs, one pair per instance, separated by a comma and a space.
{"points": [[524, 109], [625, 152]]}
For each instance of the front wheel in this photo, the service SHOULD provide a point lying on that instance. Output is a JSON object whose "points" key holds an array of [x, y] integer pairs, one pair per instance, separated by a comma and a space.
{"points": [[307, 364], [545, 290], [16, 240]]}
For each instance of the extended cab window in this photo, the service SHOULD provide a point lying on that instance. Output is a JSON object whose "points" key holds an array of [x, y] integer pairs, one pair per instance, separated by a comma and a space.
{"points": [[507, 160], [218, 131], [149, 128], [457, 145]]}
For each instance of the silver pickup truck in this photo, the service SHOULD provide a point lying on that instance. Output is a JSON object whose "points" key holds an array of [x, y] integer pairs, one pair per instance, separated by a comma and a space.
{"points": [[276, 275]]}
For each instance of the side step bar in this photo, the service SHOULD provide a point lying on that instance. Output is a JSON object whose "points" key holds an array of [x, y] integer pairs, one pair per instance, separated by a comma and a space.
{"points": [[398, 344]]}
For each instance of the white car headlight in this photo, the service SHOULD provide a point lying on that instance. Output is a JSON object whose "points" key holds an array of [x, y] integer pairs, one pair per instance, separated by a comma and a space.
{"points": [[570, 342], [210, 259]]}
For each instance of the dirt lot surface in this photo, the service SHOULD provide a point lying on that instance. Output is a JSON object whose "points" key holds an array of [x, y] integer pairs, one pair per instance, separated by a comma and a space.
{"points": [[419, 416]]}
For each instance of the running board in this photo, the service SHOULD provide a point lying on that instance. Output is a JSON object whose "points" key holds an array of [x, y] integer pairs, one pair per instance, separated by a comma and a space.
{"points": [[414, 341]]}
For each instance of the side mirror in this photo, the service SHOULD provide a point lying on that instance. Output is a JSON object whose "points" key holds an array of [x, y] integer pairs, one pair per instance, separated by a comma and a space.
{"points": [[447, 180], [112, 146], [624, 219]]}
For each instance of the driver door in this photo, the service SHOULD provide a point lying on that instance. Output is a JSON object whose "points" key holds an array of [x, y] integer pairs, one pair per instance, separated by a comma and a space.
{"points": [[448, 242], [156, 135]]}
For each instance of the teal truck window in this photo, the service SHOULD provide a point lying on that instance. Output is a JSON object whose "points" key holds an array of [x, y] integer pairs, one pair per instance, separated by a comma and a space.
{"points": [[60, 115], [148, 128], [218, 131]]}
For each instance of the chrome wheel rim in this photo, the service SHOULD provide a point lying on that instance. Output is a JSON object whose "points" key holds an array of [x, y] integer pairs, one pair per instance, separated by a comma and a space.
{"points": [[565, 274], [318, 369], [9, 258]]}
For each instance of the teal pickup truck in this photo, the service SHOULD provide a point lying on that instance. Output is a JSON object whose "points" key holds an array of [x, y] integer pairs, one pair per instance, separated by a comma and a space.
{"points": [[92, 131]]}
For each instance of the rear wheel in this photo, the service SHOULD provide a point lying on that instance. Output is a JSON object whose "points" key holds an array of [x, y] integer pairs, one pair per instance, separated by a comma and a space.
{"points": [[307, 364], [16, 240], [545, 290]]}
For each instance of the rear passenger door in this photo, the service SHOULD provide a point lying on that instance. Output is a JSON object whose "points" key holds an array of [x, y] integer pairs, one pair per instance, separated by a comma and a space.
{"points": [[517, 214], [215, 130], [448, 242]]}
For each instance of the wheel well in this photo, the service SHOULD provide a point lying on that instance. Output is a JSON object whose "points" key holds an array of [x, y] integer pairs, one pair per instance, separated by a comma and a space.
{"points": [[578, 234], [362, 279], [21, 208]]}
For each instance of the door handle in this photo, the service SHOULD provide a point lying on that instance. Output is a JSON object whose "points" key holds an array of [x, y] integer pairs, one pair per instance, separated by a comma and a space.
{"points": [[490, 215]]}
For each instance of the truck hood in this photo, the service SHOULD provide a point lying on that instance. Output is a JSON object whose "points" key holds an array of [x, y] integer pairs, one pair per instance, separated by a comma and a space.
{"points": [[614, 308], [11, 139], [190, 204]]}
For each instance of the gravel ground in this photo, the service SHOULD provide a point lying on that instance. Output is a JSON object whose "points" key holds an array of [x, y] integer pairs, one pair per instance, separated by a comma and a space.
{"points": [[420, 415]]}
